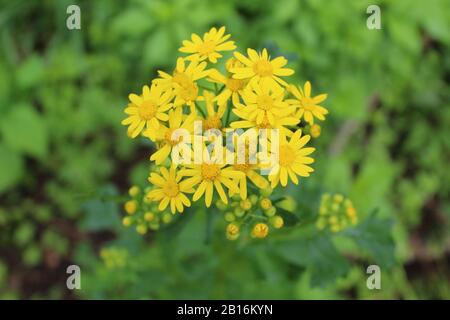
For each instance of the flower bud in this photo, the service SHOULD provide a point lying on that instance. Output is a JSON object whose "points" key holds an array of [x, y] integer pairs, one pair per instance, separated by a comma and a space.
{"points": [[270, 212], [265, 203], [141, 229], [134, 191], [260, 230], [126, 221], [130, 206], [230, 217], [149, 216], [277, 222], [167, 218], [245, 204]]}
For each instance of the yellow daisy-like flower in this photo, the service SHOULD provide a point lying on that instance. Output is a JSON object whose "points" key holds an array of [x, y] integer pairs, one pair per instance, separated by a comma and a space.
{"points": [[147, 110], [258, 66], [262, 100], [248, 169], [293, 160], [183, 82], [208, 48], [281, 123], [308, 107], [211, 175], [170, 190], [165, 136], [213, 118], [233, 87]]}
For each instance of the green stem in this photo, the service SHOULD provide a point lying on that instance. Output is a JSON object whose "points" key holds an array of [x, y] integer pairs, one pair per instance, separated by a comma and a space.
{"points": [[206, 88], [200, 109], [227, 119]]}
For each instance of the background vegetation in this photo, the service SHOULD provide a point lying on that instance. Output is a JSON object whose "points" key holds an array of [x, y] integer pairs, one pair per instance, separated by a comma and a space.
{"points": [[65, 159]]}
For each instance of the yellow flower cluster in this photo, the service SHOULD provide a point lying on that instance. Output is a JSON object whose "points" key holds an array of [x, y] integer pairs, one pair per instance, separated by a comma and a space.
{"points": [[336, 213], [143, 213], [246, 91], [257, 213]]}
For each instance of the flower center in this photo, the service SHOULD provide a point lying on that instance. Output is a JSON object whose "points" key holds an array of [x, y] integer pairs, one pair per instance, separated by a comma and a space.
{"points": [[206, 47], [213, 122], [287, 156], [170, 189], [169, 139], [265, 102], [265, 124], [307, 103], [210, 171], [181, 78], [147, 109], [189, 91], [263, 68], [234, 85]]}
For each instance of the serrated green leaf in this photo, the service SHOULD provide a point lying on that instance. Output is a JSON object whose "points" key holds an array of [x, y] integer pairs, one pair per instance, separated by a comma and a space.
{"points": [[318, 254], [374, 236]]}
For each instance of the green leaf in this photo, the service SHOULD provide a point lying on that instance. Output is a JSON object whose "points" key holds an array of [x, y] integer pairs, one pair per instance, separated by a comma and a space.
{"points": [[30, 73], [24, 130], [11, 165], [318, 254], [102, 213], [290, 218], [374, 236]]}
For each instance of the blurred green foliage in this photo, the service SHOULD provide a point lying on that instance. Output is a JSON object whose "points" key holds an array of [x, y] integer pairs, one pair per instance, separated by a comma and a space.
{"points": [[65, 160]]}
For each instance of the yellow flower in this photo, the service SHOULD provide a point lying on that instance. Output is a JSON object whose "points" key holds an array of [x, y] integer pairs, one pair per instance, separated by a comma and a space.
{"points": [[183, 82], [213, 117], [293, 160], [167, 137], [232, 87], [308, 107], [260, 230], [280, 123], [248, 169], [263, 101], [147, 109], [208, 47], [211, 174], [170, 189], [260, 67]]}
